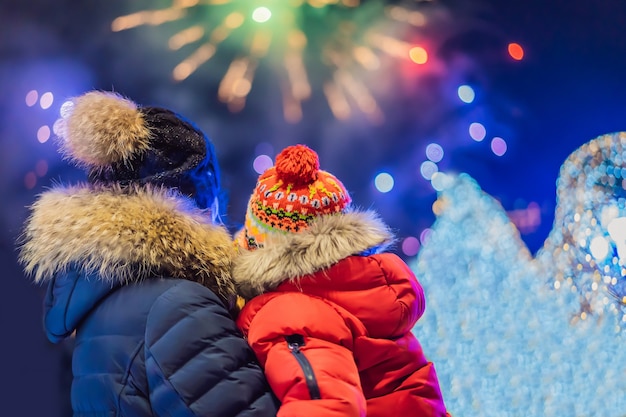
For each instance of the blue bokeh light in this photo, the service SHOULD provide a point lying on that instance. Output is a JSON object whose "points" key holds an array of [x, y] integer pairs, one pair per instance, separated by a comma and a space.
{"points": [[384, 182], [466, 93]]}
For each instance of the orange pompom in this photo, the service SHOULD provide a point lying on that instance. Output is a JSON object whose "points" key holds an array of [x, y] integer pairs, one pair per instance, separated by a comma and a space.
{"points": [[297, 164]]}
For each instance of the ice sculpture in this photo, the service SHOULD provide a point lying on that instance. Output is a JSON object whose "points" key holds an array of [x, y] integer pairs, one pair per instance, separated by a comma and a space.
{"points": [[515, 335]]}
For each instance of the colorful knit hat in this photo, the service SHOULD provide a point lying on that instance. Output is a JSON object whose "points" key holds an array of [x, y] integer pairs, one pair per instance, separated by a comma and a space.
{"points": [[289, 195]]}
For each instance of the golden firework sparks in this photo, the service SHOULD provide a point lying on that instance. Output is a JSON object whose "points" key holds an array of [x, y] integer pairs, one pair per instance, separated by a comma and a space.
{"points": [[288, 32]]}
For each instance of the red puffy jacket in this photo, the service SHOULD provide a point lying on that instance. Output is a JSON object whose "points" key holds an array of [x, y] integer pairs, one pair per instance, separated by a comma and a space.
{"points": [[333, 329]]}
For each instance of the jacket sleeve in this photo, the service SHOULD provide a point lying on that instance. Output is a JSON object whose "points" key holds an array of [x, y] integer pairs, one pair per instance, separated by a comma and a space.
{"points": [[408, 290], [197, 362], [321, 366]]}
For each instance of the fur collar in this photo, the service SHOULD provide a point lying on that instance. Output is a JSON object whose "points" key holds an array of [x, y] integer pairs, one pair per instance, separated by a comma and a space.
{"points": [[325, 242], [125, 236]]}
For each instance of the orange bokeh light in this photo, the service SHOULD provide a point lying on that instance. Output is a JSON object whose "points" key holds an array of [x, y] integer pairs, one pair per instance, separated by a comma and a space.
{"points": [[418, 55], [516, 51]]}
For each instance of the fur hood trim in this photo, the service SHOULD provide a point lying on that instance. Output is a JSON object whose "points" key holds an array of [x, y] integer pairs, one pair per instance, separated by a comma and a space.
{"points": [[126, 235], [325, 242]]}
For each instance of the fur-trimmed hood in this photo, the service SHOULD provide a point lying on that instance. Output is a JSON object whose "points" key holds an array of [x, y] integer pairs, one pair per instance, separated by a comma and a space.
{"points": [[325, 242], [125, 235]]}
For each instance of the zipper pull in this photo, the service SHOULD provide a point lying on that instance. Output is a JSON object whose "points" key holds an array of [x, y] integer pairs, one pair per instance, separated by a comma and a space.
{"points": [[294, 342]]}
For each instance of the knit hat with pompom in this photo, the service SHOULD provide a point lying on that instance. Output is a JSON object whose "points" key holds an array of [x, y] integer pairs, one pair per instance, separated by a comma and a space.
{"points": [[119, 142], [289, 195]]}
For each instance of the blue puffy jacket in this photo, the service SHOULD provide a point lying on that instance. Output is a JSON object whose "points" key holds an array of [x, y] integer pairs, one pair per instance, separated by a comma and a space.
{"points": [[142, 281]]}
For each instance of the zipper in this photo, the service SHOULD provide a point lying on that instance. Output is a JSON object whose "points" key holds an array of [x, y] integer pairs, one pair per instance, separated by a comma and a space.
{"points": [[294, 342]]}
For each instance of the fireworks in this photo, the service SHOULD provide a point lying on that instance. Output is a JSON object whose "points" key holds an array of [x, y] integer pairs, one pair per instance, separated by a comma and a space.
{"points": [[313, 45]]}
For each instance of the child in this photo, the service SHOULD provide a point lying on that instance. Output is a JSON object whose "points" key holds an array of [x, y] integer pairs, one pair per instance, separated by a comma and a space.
{"points": [[329, 314]]}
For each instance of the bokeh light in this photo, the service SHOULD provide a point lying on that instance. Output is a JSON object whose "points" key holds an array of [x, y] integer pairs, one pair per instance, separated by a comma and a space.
{"points": [[617, 231], [466, 93], [425, 235], [440, 181], [401, 14], [384, 182], [262, 163], [617, 227], [516, 51], [261, 14], [46, 100], [599, 248], [477, 131], [31, 98], [418, 55], [410, 246], [428, 168], [43, 134], [498, 146], [434, 152]]}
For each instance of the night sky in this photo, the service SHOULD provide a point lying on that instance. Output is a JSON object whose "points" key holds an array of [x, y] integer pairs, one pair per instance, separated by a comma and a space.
{"points": [[568, 88]]}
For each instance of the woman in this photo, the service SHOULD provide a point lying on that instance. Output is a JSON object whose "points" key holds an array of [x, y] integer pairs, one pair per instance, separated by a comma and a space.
{"points": [[139, 272]]}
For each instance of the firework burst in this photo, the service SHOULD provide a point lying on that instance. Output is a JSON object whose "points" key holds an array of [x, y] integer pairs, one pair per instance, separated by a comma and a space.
{"points": [[319, 43]]}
